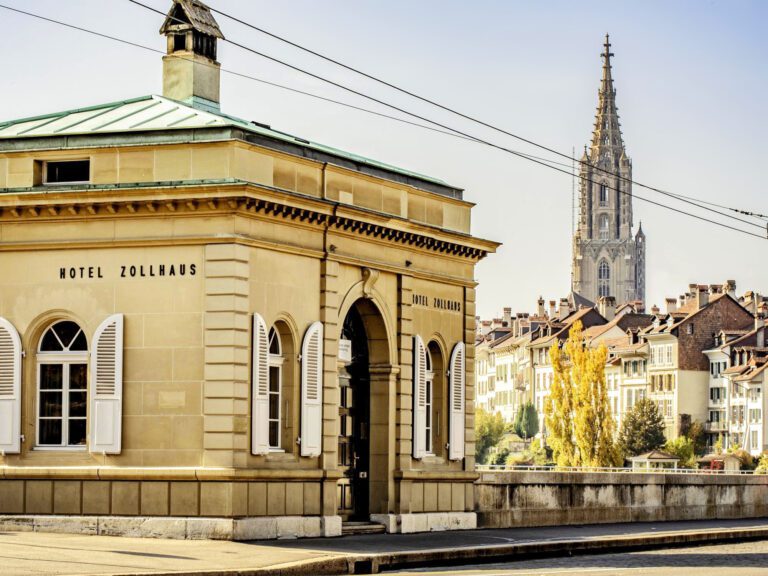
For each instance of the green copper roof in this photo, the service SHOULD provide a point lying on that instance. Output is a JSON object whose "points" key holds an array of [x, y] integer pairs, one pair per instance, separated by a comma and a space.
{"points": [[155, 113]]}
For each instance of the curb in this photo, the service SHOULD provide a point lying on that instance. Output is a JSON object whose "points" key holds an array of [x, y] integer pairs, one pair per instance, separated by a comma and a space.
{"points": [[376, 563]]}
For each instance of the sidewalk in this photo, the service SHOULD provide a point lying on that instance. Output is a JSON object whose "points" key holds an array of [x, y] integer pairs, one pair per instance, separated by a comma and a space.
{"points": [[25, 553]]}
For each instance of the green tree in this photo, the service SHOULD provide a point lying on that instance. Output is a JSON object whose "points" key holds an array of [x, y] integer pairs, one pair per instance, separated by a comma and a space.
{"points": [[581, 429], [747, 462], [682, 447], [694, 430], [529, 423], [489, 428], [517, 425], [762, 465], [558, 411], [642, 429]]}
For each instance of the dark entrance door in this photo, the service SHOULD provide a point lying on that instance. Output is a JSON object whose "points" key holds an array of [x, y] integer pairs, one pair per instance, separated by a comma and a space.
{"points": [[354, 418]]}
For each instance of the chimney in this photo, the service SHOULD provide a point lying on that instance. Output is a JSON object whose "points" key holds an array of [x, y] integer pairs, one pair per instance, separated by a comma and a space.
{"points": [[191, 73], [671, 305], [702, 296], [715, 289], [565, 308], [507, 317], [730, 288], [760, 328], [606, 306], [655, 310], [683, 299], [540, 310], [552, 309]]}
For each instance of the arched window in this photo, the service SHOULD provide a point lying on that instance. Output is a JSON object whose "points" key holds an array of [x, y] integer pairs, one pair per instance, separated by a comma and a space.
{"points": [[603, 195], [62, 383], [604, 227], [275, 389], [603, 279], [430, 421]]}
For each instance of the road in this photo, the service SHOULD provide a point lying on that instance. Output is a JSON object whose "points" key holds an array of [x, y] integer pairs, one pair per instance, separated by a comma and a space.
{"points": [[29, 553], [747, 559]]}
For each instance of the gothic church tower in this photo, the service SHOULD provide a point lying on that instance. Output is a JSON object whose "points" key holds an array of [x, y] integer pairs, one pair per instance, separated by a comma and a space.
{"points": [[608, 260]]}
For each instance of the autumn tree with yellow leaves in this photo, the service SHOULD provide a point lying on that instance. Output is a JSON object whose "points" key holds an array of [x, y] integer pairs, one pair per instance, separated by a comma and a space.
{"points": [[578, 417]]}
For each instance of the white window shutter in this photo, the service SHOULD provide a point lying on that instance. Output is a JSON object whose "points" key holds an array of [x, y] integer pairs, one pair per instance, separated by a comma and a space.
{"points": [[457, 399], [419, 397], [260, 387], [10, 389], [107, 387], [312, 391]]}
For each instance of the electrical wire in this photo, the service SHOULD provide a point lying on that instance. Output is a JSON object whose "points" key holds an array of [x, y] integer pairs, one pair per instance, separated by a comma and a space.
{"points": [[544, 162], [443, 126], [260, 80], [446, 127], [471, 118]]}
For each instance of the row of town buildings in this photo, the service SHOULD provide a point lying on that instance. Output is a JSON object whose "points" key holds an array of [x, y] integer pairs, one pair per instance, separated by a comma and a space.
{"points": [[703, 357]]}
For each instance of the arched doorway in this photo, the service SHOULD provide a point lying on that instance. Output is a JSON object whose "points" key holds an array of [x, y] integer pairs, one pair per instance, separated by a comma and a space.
{"points": [[363, 436]]}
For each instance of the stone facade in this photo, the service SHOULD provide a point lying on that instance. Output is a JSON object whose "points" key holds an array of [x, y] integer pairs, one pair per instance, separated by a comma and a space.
{"points": [[146, 246]]}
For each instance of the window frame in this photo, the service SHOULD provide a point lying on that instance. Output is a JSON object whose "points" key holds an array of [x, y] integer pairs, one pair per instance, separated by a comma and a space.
{"points": [[603, 280], [602, 195], [429, 425], [275, 361], [44, 171], [65, 359], [604, 232]]}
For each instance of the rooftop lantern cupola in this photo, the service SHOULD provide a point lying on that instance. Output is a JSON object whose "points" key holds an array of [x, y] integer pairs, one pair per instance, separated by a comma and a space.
{"points": [[191, 73]]}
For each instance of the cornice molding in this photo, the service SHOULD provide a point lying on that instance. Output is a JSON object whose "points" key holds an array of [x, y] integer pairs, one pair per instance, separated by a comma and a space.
{"points": [[314, 211]]}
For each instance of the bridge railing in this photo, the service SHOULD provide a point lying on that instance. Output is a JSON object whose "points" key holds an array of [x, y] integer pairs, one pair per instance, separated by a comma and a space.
{"points": [[594, 470]]}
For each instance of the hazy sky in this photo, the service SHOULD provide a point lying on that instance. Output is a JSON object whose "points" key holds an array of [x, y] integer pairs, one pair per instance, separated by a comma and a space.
{"points": [[691, 86]]}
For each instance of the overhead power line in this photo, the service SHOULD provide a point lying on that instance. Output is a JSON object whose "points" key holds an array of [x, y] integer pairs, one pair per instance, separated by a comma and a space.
{"points": [[475, 138], [452, 132], [467, 116], [257, 79]]}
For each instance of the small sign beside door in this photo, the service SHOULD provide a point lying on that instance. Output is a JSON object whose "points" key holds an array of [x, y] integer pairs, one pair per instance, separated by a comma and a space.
{"points": [[345, 350]]}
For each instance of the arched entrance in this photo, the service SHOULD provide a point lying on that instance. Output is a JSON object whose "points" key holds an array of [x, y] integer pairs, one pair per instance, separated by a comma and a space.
{"points": [[364, 410]]}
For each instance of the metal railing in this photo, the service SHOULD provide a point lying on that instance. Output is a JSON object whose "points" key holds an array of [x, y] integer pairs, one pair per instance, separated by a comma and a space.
{"points": [[595, 470]]}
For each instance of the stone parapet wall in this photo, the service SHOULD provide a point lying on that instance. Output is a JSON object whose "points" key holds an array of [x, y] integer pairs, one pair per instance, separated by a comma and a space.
{"points": [[158, 493], [511, 499]]}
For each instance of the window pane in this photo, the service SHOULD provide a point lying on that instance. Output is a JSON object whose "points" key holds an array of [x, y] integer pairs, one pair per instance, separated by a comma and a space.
{"points": [[50, 432], [66, 332], [274, 378], [51, 376], [50, 404], [76, 432], [273, 434], [77, 171], [80, 344], [274, 342], [78, 402], [274, 406], [78, 377], [50, 343]]}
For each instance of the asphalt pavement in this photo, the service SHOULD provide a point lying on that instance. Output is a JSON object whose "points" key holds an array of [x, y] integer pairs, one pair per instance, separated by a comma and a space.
{"points": [[27, 553], [745, 559]]}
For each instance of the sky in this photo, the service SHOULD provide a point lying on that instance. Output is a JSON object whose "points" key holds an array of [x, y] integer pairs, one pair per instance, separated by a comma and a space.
{"points": [[691, 85]]}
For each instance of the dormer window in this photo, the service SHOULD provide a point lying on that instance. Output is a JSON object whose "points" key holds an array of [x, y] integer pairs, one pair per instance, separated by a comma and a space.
{"points": [[67, 172]]}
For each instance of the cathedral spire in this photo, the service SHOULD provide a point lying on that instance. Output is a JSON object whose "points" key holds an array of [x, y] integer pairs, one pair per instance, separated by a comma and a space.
{"points": [[606, 136], [608, 260]]}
